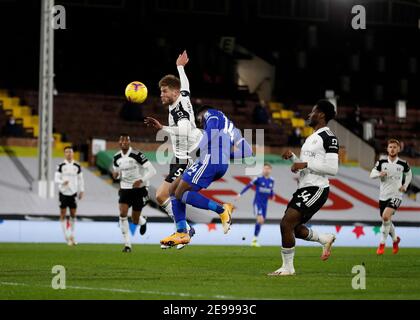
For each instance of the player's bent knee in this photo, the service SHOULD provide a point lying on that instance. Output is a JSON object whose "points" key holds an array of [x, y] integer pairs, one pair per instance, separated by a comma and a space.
{"points": [[179, 193], [123, 213], [161, 198], [172, 190]]}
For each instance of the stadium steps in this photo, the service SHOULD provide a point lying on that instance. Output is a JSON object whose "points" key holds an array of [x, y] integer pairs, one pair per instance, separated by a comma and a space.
{"points": [[22, 114], [30, 122], [287, 119]]}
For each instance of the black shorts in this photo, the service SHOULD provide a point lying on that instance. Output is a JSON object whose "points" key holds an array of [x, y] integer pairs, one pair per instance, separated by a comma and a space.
{"points": [[67, 201], [393, 203], [309, 201], [136, 197], [177, 168]]}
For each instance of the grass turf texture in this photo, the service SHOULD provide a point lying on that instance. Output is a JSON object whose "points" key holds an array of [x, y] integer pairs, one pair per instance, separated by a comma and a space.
{"points": [[202, 272]]}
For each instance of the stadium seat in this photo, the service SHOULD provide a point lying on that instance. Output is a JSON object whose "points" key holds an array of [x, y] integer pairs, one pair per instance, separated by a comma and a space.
{"points": [[298, 122], [286, 114], [275, 106], [307, 131], [276, 115]]}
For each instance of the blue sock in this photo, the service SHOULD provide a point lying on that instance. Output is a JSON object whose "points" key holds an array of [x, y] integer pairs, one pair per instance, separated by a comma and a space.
{"points": [[257, 229], [199, 201], [178, 208]]}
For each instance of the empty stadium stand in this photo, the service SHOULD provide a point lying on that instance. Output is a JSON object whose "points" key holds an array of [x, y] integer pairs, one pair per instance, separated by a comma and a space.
{"points": [[84, 116]]}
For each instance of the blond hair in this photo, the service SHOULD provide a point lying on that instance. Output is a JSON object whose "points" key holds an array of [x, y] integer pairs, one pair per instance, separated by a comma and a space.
{"points": [[397, 142], [170, 81]]}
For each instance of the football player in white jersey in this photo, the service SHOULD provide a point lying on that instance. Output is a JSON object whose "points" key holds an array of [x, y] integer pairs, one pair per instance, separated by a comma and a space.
{"points": [[185, 136], [318, 159], [71, 185], [134, 171], [391, 171]]}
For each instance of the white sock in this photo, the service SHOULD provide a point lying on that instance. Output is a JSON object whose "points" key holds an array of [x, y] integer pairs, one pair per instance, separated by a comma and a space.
{"points": [[167, 206], [288, 255], [255, 238], [386, 226], [125, 230], [142, 221], [64, 227], [392, 232], [321, 238], [72, 224]]}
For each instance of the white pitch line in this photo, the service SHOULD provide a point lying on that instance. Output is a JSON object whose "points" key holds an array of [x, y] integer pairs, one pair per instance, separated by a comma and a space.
{"points": [[160, 293], [12, 284]]}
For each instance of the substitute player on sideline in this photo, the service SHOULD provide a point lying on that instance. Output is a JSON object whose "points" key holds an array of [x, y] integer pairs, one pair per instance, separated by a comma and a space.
{"points": [[264, 190], [69, 178], [391, 171], [134, 171], [175, 93], [318, 158]]}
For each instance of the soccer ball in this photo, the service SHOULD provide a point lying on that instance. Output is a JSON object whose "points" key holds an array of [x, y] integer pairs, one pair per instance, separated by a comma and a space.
{"points": [[136, 92]]}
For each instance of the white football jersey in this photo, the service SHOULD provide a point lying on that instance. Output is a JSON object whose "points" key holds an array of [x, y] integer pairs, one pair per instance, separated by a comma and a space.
{"points": [[392, 182], [316, 146], [182, 109], [71, 172], [130, 168]]}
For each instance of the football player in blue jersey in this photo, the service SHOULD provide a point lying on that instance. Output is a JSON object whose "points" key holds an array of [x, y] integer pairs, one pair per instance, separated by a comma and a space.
{"points": [[221, 142], [264, 185]]}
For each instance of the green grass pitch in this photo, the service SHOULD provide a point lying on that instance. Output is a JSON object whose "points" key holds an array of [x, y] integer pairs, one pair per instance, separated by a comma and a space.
{"points": [[202, 272]]}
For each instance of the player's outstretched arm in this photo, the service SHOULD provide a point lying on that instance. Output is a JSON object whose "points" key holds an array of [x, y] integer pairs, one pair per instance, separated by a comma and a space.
{"points": [[246, 188], [242, 148], [152, 122], [183, 129], [181, 62]]}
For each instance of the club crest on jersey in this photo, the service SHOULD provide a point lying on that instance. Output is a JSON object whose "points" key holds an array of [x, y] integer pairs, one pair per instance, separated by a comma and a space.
{"points": [[309, 154]]}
